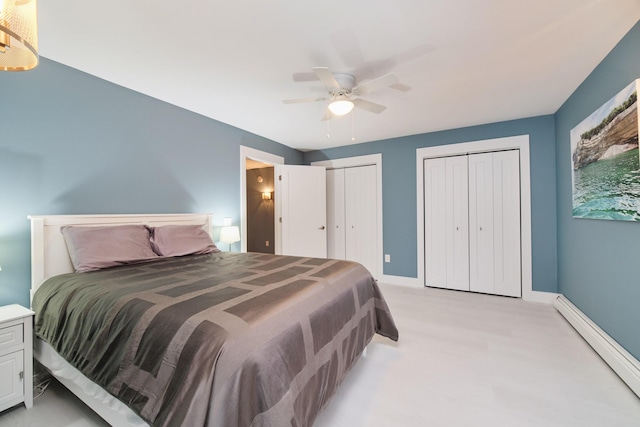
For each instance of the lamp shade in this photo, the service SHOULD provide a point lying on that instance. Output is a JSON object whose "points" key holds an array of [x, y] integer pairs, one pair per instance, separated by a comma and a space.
{"points": [[341, 105], [230, 234], [18, 35]]}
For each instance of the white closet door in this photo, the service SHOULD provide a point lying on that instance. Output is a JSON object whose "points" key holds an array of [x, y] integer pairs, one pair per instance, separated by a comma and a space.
{"points": [[506, 209], [335, 214], [361, 243], [435, 213], [481, 252], [457, 223], [472, 223], [494, 223]]}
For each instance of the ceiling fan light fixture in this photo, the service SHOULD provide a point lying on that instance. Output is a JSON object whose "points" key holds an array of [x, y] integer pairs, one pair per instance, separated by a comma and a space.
{"points": [[341, 105]]}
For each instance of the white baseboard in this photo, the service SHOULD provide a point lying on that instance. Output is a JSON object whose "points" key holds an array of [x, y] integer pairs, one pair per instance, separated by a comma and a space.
{"points": [[537, 296], [414, 282], [621, 361]]}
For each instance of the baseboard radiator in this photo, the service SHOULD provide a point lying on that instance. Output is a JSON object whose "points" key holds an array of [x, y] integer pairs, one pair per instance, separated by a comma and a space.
{"points": [[621, 361]]}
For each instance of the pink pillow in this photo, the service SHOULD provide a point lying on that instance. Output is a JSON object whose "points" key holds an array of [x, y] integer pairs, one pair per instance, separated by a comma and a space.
{"points": [[94, 248], [178, 240]]}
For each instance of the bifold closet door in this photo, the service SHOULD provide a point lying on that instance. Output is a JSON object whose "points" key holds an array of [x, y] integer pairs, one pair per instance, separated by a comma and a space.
{"points": [[352, 215], [446, 223], [361, 242], [494, 223], [335, 214], [434, 223]]}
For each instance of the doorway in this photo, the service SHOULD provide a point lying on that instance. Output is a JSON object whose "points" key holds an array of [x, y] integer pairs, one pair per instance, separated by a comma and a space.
{"points": [[260, 207], [291, 202], [252, 157]]}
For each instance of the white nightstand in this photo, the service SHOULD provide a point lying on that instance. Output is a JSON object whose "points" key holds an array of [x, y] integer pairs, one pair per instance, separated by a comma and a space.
{"points": [[16, 356]]}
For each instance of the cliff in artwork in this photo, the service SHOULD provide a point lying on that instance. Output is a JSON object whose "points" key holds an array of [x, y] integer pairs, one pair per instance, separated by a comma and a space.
{"points": [[616, 134]]}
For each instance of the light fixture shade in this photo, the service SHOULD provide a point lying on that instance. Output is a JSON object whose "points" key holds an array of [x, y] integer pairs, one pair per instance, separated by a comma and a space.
{"points": [[341, 105], [230, 234], [18, 35]]}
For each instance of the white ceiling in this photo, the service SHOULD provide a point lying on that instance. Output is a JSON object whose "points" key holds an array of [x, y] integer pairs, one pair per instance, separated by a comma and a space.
{"points": [[468, 62]]}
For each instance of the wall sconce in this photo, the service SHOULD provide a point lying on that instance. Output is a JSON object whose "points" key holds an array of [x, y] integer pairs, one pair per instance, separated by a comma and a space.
{"points": [[18, 35], [266, 196]]}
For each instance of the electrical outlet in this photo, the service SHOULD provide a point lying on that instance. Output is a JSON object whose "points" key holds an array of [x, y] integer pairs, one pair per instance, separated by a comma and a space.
{"points": [[267, 243], [387, 258]]}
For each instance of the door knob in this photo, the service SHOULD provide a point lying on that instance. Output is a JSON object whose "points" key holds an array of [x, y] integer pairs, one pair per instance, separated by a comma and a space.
{"points": [[321, 228]]}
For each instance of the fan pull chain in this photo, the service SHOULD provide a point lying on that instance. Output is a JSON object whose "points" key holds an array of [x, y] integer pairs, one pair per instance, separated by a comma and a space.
{"points": [[353, 125]]}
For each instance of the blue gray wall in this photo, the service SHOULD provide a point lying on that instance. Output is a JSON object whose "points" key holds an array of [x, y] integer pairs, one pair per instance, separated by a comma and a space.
{"points": [[399, 190], [599, 264], [71, 143]]}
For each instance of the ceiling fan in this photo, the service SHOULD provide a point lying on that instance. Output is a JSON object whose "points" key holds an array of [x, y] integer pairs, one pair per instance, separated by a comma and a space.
{"points": [[342, 90]]}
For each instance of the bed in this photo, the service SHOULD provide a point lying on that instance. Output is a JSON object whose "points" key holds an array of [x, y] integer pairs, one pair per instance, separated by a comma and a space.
{"points": [[216, 339]]}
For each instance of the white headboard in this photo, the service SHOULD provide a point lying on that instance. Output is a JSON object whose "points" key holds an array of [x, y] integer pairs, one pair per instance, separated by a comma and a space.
{"points": [[49, 255]]}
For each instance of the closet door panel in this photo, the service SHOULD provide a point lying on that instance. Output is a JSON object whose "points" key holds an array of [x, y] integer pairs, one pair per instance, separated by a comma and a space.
{"points": [[457, 223], [481, 223], [361, 216], [335, 214], [473, 243], [435, 222], [506, 181]]}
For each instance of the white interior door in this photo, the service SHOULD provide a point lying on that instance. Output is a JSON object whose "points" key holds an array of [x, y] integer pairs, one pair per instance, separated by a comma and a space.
{"points": [[506, 210], [335, 214], [301, 210], [360, 217], [457, 222], [515, 254], [494, 223], [435, 214], [481, 222]]}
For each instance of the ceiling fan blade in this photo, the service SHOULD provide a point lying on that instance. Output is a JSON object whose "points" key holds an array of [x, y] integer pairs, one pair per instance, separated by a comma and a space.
{"points": [[326, 77], [299, 100], [375, 84], [401, 87], [369, 106], [304, 77]]}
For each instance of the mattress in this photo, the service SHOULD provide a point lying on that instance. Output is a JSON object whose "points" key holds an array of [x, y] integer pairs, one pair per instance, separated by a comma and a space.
{"points": [[223, 339]]}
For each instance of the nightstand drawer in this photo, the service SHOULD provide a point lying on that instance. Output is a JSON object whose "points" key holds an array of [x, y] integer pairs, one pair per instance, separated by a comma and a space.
{"points": [[11, 336]]}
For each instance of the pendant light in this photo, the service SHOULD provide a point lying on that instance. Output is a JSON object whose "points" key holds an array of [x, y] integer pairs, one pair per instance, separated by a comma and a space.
{"points": [[18, 35]]}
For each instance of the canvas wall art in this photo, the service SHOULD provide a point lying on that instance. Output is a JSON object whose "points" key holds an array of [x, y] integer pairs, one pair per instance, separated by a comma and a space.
{"points": [[605, 160]]}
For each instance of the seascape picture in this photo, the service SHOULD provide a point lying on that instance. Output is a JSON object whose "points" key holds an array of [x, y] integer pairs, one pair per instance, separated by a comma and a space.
{"points": [[605, 160]]}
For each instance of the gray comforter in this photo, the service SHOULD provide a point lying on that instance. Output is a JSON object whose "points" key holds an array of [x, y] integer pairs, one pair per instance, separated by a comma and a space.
{"points": [[223, 339]]}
